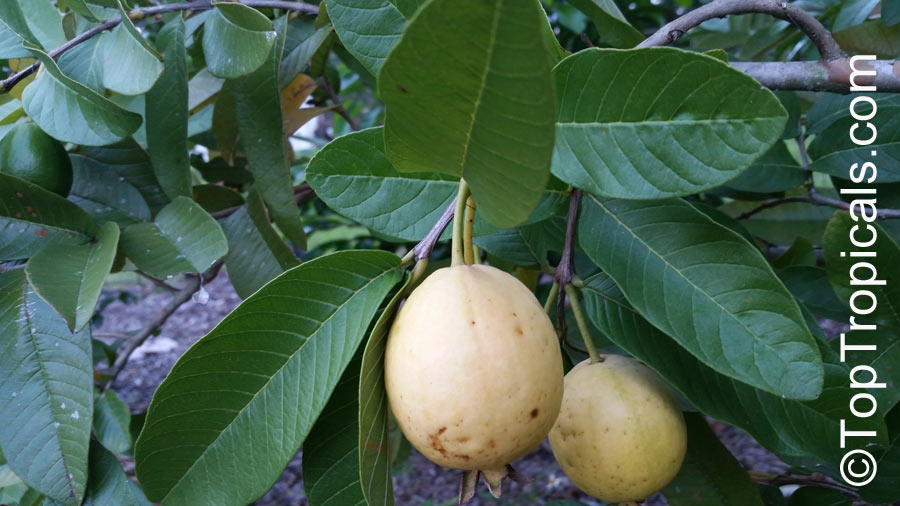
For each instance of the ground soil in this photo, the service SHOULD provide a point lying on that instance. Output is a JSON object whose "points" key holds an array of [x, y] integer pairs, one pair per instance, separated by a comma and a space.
{"points": [[417, 482]]}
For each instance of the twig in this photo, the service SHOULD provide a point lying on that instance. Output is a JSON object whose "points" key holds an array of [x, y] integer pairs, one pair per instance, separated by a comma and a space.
{"points": [[814, 198], [178, 298], [140, 13], [339, 105], [426, 245], [820, 36], [820, 76]]}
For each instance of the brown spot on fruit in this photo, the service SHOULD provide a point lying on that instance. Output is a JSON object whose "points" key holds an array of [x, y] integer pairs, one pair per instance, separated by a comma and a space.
{"points": [[473, 322], [463, 439], [534, 412], [442, 430], [520, 331]]}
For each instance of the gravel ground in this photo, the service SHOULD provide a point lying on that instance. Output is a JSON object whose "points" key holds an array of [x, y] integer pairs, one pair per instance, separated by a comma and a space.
{"points": [[418, 482]]}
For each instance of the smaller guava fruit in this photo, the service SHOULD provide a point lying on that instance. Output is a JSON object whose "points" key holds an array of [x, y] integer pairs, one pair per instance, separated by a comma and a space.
{"points": [[28, 153], [620, 435], [473, 369]]}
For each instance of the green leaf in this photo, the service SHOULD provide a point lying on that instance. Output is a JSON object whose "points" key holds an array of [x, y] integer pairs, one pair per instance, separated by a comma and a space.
{"points": [[374, 412], [469, 93], [369, 29], [775, 171], [801, 252], [182, 238], [273, 362], [884, 358], [11, 42], [710, 475], [130, 65], [259, 116], [784, 223], [237, 40], [70, 278], [256, 254], [526, 245], [213, 197], [658, 122], [104, 195], [809, 285], [834, 151], [298, 58], [72, 112], [84, 63], [890, 13], [871, 37], [132, 164], [167, 115], [353, 176], [111, 421], [32, 218], [330, 456], [886, 284], [610, 22], [708, 288], [44, 21], [46, 385], [853, 12], [108, 484], [801, 433]]}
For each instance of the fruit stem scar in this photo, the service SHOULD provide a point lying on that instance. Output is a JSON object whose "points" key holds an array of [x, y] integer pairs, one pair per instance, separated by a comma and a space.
{"points": [[572, 292], [457, 247]]}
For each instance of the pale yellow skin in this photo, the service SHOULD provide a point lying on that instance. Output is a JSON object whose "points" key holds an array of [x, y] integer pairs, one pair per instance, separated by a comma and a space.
{"points": [[473, 369], [620, 435]]}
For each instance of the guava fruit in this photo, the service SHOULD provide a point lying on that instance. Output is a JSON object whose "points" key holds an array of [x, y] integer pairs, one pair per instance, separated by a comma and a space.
{"points": [[28, 153], [620, 435], [473, 369]]}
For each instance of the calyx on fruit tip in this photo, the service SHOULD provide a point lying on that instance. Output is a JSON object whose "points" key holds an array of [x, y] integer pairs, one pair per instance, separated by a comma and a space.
{"points": [[493, 478]]}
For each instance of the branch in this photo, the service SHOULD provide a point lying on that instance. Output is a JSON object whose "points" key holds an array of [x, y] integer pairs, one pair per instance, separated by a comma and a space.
{"points": [[831, 76], [423, 250], [338, 104], [806, 22], [7, 84], [178, 298], [564, 272]]}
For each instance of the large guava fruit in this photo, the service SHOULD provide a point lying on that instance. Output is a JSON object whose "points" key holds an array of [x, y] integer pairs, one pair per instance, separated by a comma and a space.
{"points": [[473, 369]]}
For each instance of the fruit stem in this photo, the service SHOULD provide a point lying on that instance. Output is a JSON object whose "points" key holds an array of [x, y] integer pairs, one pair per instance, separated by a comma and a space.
{"points": [[468, 225], [418, 271], [551, 297], [572, 292], [458, 254]]}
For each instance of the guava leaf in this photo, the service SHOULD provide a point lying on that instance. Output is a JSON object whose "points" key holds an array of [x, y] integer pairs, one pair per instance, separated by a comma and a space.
{"points": [[658, 122], [72, 112], [32, 218], [353, 176], [237, 40], [182, 238], [104, 195], [374, 412], [710, 475], [611, 24], [131, 65], [108, 483], [272, 363], [330, 452], [526, 245], [469, 93], [708, 288], [838, 264], [131, 164], [775, 171], [167, 115], [369, 29], [46, 383], [834, 152], [259, 120], [84, 63], [111, 420], [70, 277], [256, 254]]}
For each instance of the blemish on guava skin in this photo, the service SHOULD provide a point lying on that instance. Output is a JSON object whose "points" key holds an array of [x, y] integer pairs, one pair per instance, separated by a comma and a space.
{"points": [[534, 413]]}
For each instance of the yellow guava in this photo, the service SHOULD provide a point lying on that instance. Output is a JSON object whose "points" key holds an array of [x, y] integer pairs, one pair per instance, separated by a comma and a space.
{"points": [[473, 369], [620, 435]]}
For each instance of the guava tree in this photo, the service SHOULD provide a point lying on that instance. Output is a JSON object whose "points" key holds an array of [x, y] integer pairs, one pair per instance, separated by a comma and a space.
{"points": [[697, 187]]}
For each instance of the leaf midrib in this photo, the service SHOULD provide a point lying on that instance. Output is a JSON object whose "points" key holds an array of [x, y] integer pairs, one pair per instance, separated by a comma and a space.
{"points": [[691, 283], [263, 387]]}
